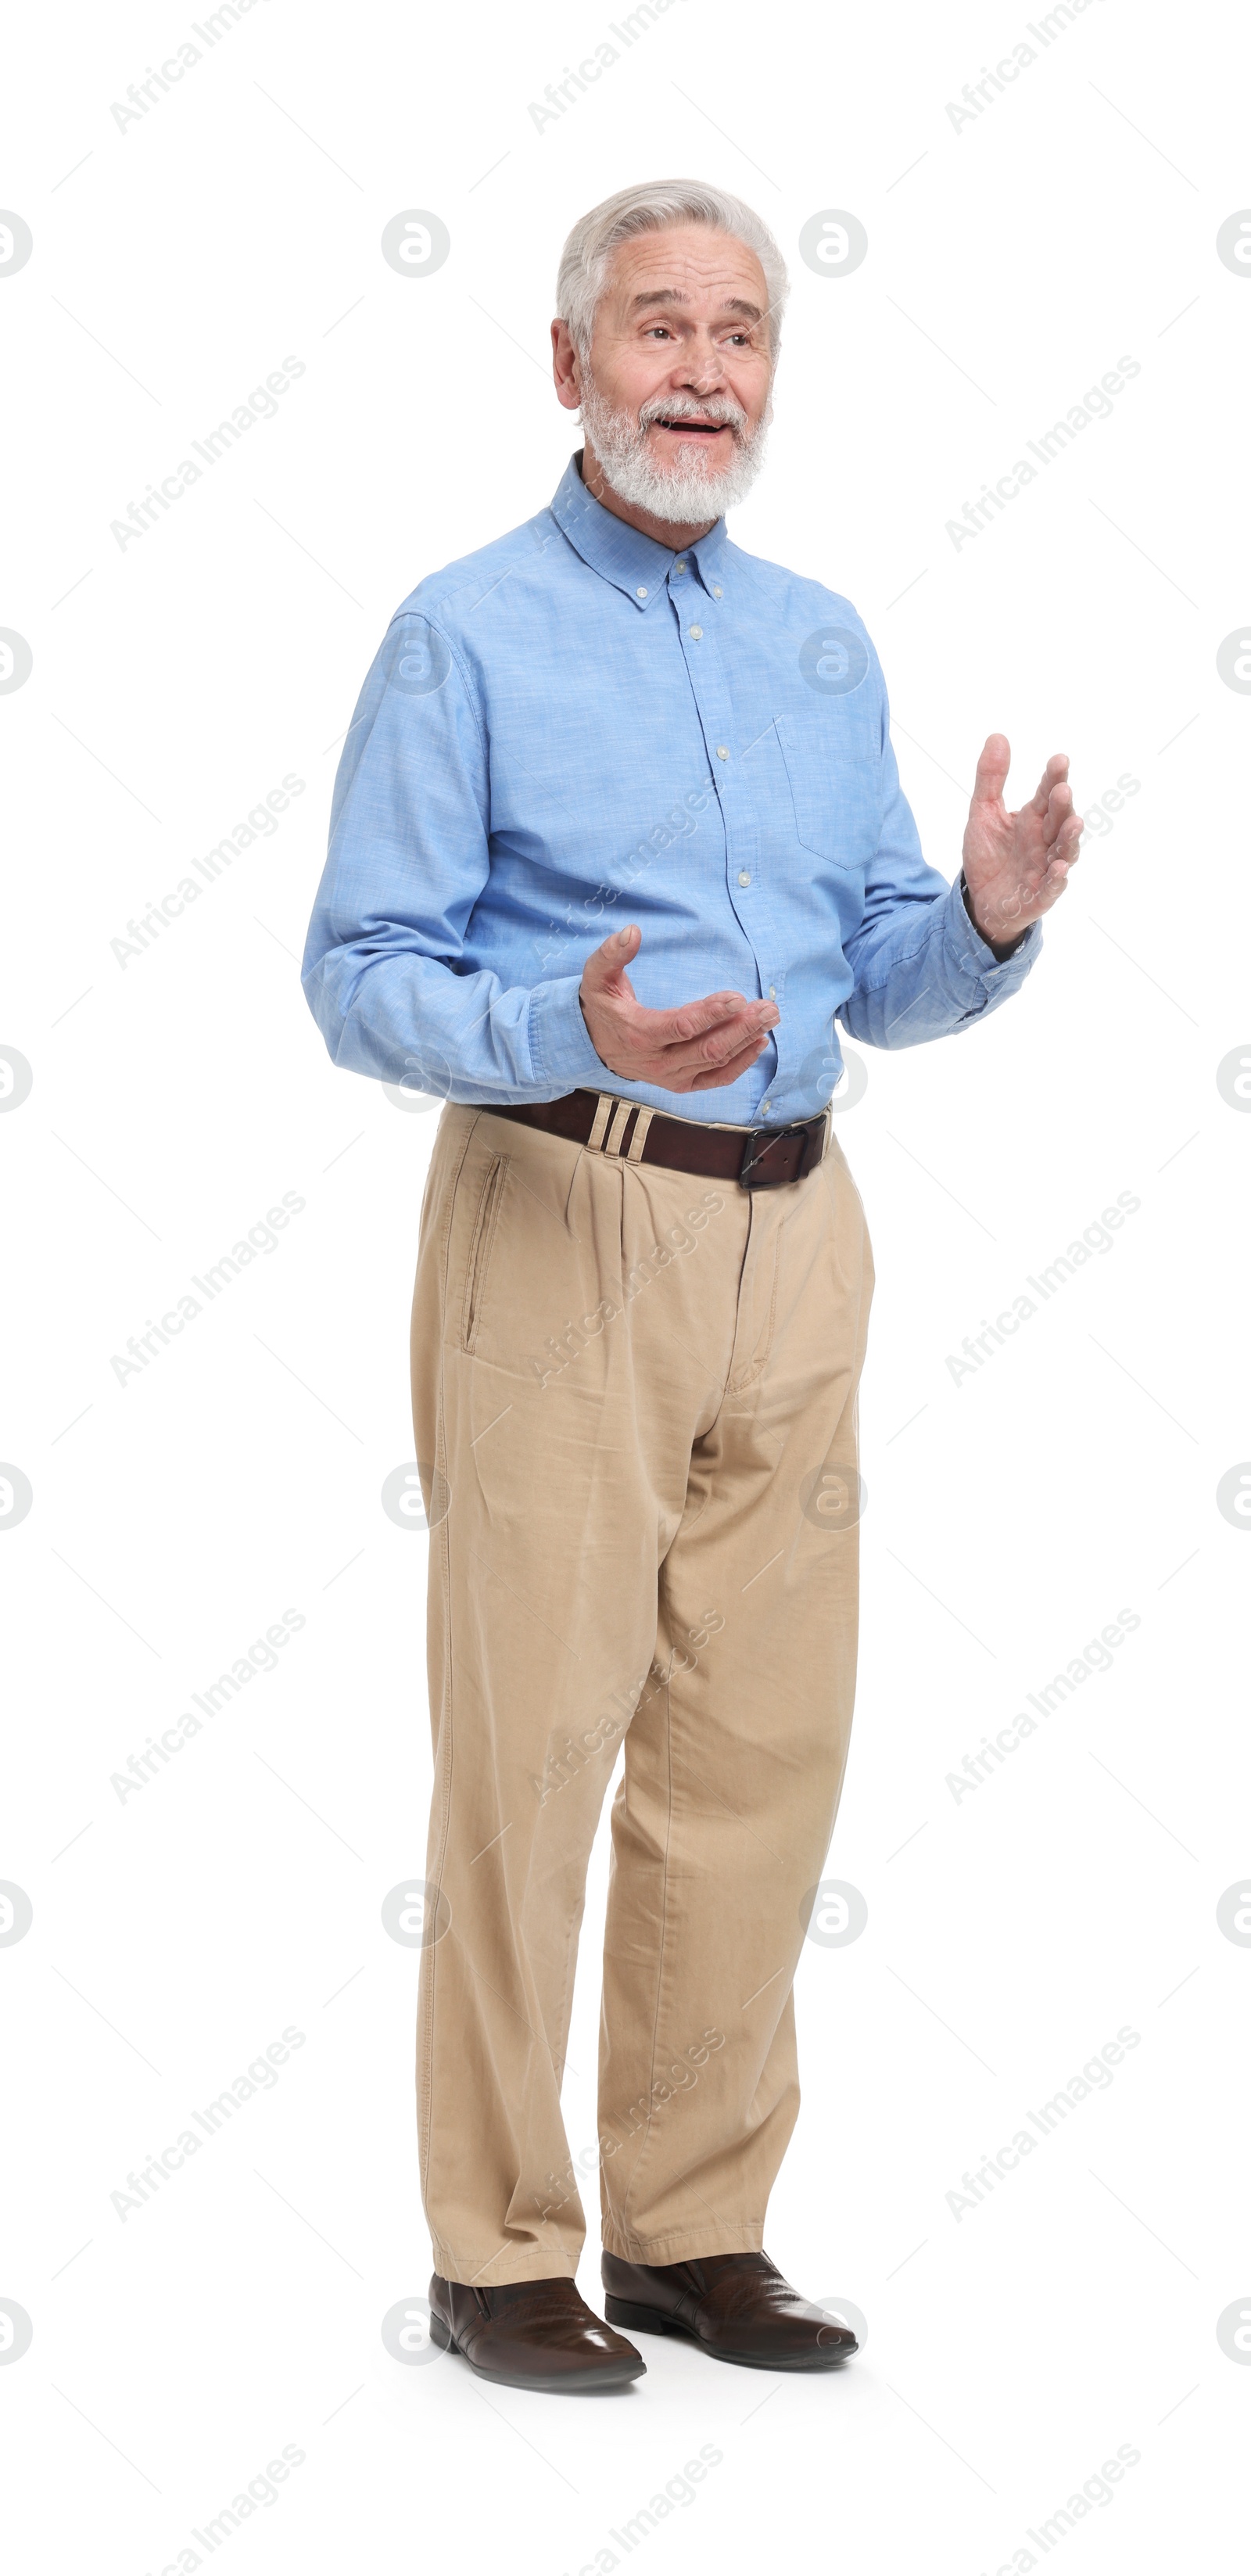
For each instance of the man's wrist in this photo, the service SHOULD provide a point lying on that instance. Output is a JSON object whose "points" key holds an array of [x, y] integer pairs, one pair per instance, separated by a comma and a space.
{"points": [[1000, 950]]}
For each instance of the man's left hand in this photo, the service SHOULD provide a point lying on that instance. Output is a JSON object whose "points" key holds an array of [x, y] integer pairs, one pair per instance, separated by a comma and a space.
{"points": [[1017, 865]]}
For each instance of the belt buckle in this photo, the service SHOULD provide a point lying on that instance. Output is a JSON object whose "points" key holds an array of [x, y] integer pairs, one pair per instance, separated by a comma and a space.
{"points": [[761, 1142]]}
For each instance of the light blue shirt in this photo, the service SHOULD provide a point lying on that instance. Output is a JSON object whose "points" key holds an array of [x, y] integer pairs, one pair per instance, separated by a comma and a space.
{"points": [[575, 728]]}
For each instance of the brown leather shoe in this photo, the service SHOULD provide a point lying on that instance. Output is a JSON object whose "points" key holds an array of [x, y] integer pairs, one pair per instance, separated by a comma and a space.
{"points": [[531, 2334], [735, 2306]]}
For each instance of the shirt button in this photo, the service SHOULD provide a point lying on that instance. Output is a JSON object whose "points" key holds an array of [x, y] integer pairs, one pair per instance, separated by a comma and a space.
{"points": [[640, 594], [716, 590], [743, 877], [764, 1105], [679, 567], [695, 632], [722, 753], [772, 993]]}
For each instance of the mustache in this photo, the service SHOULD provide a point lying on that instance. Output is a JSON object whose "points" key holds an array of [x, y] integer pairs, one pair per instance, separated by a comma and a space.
{"points": [[720, 408]]}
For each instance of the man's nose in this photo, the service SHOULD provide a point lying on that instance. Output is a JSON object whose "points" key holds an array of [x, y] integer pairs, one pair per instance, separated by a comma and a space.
{"points": [[702, 369]]}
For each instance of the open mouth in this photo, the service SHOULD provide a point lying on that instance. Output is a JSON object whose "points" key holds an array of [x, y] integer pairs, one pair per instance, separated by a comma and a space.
{"points": [[696, 429]]}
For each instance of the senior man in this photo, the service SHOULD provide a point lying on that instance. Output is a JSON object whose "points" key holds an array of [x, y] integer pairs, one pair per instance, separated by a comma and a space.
{"points": [[612, 740]]}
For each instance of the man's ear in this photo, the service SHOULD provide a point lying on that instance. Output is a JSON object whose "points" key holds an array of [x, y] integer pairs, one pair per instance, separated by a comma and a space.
{"points": [[565, 368]]}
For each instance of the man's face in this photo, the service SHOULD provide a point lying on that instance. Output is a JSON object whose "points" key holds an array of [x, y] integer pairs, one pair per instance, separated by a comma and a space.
{"points": [[676, 396]]}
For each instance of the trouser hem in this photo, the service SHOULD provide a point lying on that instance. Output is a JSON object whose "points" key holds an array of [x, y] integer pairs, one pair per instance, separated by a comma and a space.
{"points": [[682, 2244], [545, 2263]]}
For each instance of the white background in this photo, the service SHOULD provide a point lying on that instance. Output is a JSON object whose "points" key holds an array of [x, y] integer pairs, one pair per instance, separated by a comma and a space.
{"points": [[175, 681]]}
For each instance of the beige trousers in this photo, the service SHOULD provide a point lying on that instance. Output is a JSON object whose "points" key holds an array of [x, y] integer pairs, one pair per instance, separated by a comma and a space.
{"points": [[634, 1398]]}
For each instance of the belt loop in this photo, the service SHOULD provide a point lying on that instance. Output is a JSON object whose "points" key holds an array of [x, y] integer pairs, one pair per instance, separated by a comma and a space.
{"points": [[639, 1138], [599, 1122], [612, 1141]]}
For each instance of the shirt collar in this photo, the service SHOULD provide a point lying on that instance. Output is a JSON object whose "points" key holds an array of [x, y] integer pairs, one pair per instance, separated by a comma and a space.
{"points": [[633, 563]]}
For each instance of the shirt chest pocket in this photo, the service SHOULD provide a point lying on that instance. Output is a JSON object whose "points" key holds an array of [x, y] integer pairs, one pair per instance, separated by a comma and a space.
{"points": [[836, 789]]}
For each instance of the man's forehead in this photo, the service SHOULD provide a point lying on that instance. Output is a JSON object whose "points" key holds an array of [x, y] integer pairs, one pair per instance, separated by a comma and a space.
{"points": [[684, 265]]}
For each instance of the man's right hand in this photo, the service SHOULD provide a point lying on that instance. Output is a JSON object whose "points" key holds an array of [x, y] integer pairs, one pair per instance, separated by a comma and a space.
{"points": [[699, 1047]]}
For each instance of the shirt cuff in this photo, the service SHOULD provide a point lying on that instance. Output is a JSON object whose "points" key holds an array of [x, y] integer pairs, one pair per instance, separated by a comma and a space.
{"points": [[561, 1054], [975, 954]]}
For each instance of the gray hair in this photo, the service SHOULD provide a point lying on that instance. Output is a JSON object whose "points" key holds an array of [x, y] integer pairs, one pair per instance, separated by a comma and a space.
{"points": [[585, 259]]}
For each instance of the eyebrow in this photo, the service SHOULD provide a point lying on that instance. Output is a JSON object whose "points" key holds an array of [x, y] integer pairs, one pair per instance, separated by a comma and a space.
{"points": [[670, 295]]}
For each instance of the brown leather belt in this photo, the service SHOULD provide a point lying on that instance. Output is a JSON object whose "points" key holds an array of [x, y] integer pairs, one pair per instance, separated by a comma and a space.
{"points": [[758, 1158]]}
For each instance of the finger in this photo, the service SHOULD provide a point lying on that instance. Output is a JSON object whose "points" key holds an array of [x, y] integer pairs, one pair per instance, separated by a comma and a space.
{"points": [[604, 973], [1055, 875], [718, 1046], [1056, 771], [711, 1026], [606, 965], [1052, 887], [1068, 842], [691, 1019], [1059, 804], [992, 769], [715, 1080]]}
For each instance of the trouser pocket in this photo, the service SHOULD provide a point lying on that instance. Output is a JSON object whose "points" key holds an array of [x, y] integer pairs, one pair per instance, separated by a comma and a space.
{"points": [[480, 1247]]}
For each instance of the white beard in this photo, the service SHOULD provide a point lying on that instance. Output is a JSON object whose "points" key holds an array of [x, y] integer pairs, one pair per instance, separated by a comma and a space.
{"points": [[685, 494]]}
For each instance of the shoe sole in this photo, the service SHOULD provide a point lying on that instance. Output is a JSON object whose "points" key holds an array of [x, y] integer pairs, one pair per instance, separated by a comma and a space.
{"points": [[623, 2313], [612, 2375]]}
